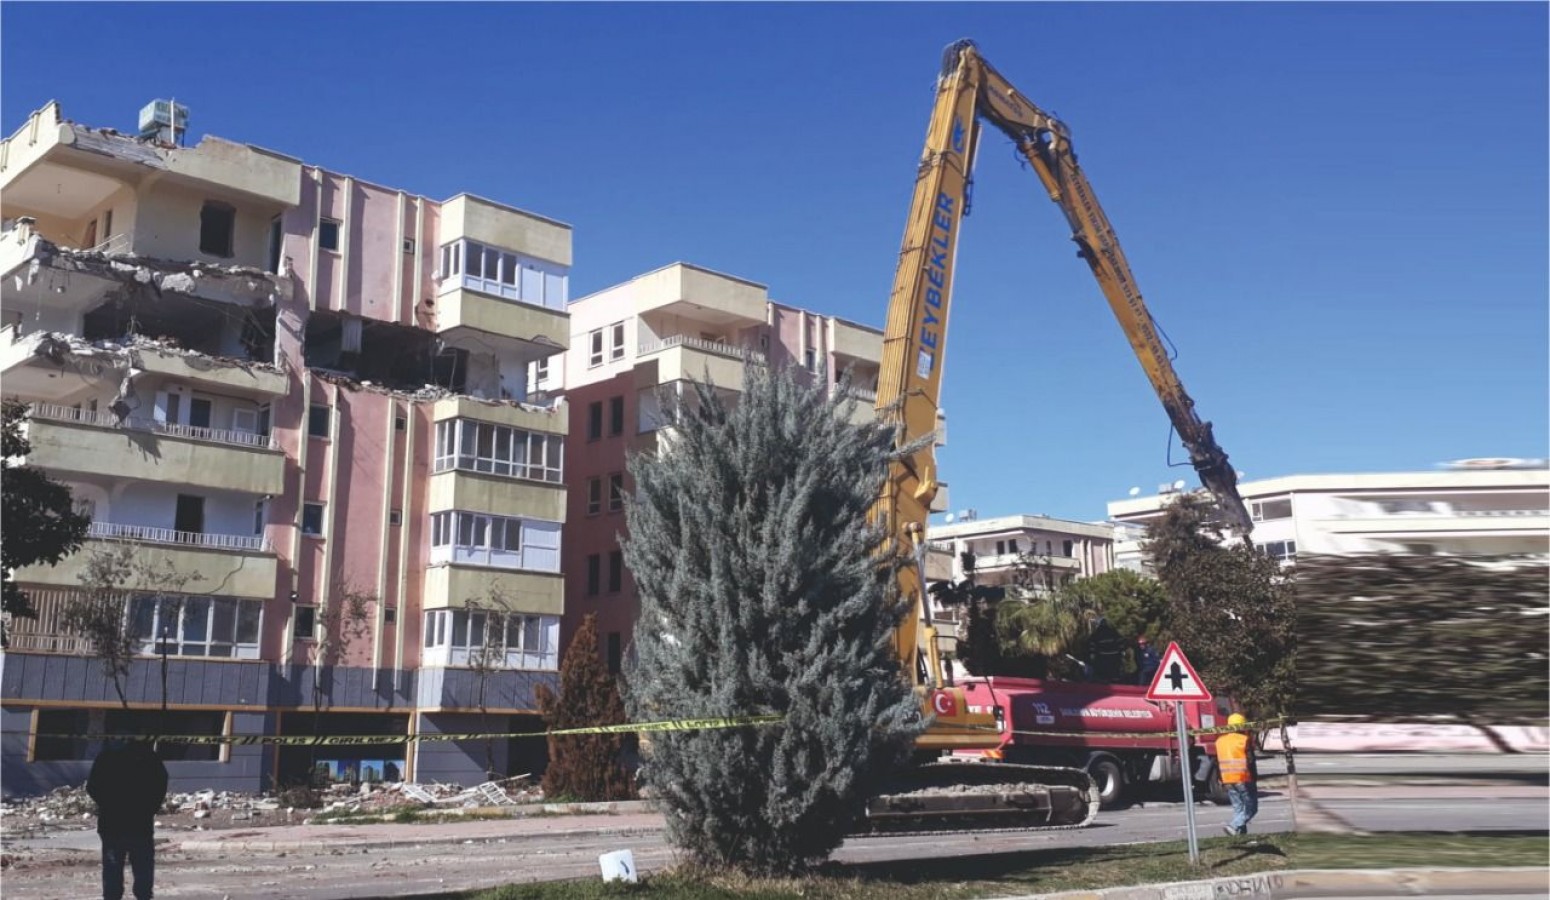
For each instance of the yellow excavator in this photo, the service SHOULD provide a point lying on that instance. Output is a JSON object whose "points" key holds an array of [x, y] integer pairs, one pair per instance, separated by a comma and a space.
{"points": [[934, 794]]}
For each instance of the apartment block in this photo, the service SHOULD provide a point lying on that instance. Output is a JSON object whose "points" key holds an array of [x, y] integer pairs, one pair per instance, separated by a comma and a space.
{"points": [[1054, 552], [309, 396], [1480, 507], [659, 332]]}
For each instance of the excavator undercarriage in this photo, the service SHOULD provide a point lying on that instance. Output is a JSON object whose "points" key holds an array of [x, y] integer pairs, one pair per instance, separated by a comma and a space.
{"points": [[970, 796]]}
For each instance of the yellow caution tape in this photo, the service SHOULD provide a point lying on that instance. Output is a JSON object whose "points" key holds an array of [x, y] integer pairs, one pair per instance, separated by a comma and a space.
{"points": [[1170, 733], [325, 740]]}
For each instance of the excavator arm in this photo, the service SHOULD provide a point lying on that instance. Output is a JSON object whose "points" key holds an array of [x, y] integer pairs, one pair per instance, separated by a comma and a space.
{"points": [[909, 386]]}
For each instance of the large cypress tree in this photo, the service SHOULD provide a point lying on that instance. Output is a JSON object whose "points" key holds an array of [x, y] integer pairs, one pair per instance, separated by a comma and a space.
{"points": [[764, 590]]}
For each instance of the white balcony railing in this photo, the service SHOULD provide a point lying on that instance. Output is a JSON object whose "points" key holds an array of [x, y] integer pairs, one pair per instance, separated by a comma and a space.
{"points": [[151, 535], [55, 413], [116, 245], [862, 394], [716, 348]]}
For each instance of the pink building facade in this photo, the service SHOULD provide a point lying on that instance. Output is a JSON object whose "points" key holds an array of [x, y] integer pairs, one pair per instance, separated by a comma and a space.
{"points": [[655, 333], [311, 398]]}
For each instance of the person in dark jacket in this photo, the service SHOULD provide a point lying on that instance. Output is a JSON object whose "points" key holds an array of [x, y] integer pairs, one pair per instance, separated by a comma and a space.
{"points": [[1106, 653], [1147, 661], [129, 783]]}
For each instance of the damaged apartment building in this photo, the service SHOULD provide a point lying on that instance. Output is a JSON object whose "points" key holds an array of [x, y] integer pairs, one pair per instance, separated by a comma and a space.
{"points": [[308, 398]]}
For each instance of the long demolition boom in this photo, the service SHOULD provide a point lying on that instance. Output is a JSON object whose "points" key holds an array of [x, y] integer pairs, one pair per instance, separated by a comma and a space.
{"points": [[969, 90]]}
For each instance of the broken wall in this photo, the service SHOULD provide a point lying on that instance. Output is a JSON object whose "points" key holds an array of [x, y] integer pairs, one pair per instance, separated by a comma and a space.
{"points": [[167, 226]]}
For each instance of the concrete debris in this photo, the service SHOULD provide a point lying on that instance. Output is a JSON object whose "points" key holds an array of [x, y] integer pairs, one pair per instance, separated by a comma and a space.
{"points": [[59, 347], [255, 285], [69, 808]]}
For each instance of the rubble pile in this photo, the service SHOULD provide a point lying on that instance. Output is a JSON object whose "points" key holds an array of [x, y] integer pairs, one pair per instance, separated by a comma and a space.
{"points": [[374, 798], [69, 808]]}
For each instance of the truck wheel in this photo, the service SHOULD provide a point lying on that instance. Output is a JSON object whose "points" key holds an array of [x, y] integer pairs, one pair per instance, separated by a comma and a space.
{"points": [[1215, 789], [1109, 775]]}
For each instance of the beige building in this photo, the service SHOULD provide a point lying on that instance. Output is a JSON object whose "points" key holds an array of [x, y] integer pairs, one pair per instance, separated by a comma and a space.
{"points": [[1472, 508]]}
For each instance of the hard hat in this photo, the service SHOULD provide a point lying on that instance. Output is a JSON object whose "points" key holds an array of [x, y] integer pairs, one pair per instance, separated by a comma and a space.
{"points": [[1236, 719]]}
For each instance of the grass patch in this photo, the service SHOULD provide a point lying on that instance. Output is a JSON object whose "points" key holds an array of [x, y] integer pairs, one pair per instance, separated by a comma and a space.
{"points": [[1074, 868]]}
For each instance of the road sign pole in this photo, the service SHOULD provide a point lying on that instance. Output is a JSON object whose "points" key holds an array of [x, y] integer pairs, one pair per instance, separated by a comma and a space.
{"points": [[1186, 776]]}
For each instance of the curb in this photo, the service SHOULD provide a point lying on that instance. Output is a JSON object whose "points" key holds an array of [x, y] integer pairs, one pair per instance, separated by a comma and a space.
{"points": [[1297, 883], [208, 846]]}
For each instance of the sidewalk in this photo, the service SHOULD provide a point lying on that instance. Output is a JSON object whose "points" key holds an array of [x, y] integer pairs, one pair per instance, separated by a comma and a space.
{"points": [[1308, 883], [297, 837]]}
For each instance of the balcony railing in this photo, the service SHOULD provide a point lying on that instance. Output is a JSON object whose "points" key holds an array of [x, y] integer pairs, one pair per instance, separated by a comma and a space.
{"points": [[716, 348], [117, 245], [55, 413], [862, 394], [150, 535]]}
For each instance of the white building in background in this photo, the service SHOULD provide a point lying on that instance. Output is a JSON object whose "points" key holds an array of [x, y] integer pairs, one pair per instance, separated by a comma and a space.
{"points": [[1070, 549], [1473, 508]]}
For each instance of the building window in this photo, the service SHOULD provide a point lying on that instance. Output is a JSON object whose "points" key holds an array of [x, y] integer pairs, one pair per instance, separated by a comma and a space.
{"points": [[615, 416], [498, 450], [594, 420], [502, 273], [501, 541], [217, 224], [616, 492], [318, 420], [328, 234], [594, 496], [1280, 550], [595, 342], [276, 243], [616, 342], [400, 423], [395, 517], [1067, 548], [260, 516], [615, 572], [811, 359], [304, 626], [312, 519], [515, 641], [1000, 548], [1011, 546], [184, 625], [615, 652], [58, 722], [594, 574], [541, 371], [409, 245], [1266, 510]]}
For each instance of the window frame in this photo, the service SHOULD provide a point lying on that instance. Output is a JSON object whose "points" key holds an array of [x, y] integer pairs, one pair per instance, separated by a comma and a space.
{"points": [[338, 229], [595, 420], [595, 495], [530, 455], [594, 574], [228, 210], [616, 342], [615, 492], [312, 421], [322, 510], [616, 415], [615, 571], [311, 611], [595, 348]]}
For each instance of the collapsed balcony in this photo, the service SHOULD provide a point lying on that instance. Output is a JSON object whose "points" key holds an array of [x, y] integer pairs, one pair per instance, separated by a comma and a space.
{"points": [[402, 358]]}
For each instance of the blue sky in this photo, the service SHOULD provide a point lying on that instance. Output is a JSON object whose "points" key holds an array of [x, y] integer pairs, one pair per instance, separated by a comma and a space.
{"points": [[1336, 211]]}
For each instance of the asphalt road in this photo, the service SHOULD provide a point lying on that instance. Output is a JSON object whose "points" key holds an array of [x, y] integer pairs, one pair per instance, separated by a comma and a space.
{"points": [[67, 866], [328, 873]]}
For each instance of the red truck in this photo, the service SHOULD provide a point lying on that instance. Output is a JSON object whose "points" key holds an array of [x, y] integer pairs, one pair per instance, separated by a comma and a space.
{"points": [[1085, 725]]}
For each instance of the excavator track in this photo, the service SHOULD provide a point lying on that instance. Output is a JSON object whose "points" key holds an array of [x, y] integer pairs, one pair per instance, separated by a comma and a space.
{"points": [[957, 797]]}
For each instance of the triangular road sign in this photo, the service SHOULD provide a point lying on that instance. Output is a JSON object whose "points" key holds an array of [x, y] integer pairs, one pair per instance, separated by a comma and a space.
{"points": [[1176, 678]]}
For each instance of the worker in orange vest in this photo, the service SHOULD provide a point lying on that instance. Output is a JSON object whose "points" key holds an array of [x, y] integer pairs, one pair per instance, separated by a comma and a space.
{"points": [[1235, 759]]}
